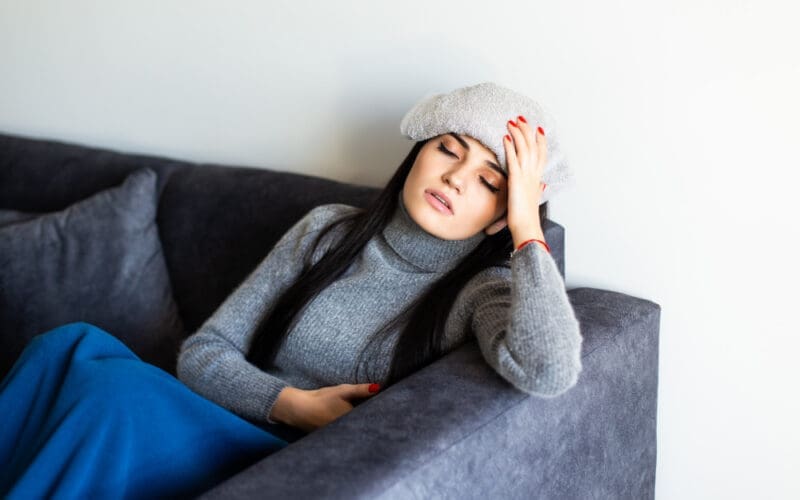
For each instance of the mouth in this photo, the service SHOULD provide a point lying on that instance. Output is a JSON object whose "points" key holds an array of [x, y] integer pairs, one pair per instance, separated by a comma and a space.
{"points": [[439, 201]]}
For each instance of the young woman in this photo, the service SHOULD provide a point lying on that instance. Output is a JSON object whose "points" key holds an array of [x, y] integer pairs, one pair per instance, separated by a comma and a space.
{"points": [[348, 300]]}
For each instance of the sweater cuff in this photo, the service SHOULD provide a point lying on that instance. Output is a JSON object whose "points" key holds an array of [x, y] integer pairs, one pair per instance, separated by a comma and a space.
{"points": [[272, 398], [525, 247]]}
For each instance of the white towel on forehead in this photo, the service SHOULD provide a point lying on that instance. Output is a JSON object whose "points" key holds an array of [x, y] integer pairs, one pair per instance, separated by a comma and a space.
{"points": [[481, 111]]}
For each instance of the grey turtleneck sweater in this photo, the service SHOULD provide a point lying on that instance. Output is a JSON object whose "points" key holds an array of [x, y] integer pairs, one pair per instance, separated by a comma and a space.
{"points": [[521, 316]]}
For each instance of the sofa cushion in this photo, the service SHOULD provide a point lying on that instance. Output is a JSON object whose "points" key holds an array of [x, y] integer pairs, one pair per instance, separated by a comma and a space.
{"points": [[11, 216], [99, 261]]}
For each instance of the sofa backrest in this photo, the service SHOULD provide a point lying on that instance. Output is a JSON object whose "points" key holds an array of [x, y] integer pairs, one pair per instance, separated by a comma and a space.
{"points": [[216, 222]]}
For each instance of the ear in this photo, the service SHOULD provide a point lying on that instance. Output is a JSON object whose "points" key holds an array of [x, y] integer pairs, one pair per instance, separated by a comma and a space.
{"points": [[497, 225]]}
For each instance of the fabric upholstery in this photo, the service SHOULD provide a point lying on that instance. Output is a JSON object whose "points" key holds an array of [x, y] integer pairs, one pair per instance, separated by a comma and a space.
{"points": [[420, 438], [98, 260], [215, 222], [454, 429]]}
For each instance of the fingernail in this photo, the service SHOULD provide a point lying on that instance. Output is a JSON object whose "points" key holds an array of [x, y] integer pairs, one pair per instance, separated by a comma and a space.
{"points": [[512, 123], [374, 387], [541, 130], [522, 119], [507, 137]]}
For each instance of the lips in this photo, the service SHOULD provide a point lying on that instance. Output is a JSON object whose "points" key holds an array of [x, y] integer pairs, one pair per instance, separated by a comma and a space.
{"points": [[437, 203]]}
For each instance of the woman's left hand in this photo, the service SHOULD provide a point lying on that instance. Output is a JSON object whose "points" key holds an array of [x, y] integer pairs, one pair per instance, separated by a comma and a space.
{"points": [[526, 155]]}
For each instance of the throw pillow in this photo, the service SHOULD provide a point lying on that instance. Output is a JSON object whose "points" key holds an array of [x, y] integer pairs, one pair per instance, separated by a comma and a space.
{"points": [[99, 261]]}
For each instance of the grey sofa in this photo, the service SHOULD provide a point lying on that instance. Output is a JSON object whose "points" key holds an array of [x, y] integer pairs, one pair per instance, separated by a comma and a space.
{"points": [[454, 429]]}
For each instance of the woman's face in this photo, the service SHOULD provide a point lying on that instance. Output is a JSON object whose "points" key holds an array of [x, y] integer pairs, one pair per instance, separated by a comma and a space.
{"points": [[462, 176]]}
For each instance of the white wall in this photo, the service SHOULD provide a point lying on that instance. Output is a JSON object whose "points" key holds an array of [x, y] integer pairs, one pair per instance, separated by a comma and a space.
{"points": [[680, 118]]}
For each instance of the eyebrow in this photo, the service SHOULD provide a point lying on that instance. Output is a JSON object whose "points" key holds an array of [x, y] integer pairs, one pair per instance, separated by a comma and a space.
{"points": [[488, 162]]}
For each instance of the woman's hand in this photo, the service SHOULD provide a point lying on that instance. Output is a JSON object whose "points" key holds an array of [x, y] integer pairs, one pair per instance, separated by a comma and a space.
{"points": [[526, 155], [311, 409]]}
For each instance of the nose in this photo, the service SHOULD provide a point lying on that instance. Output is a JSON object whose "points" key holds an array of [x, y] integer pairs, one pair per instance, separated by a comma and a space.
{"points": [[453, 177]]}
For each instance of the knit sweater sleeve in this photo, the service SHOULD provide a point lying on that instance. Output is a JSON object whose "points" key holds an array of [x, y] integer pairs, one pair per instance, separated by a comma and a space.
{"points": [[212, 361], [523, 322]]}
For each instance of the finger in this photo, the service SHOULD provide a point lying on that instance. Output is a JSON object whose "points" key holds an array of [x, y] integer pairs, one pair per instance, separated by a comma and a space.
{"points": [[520, 143], [511, 155], [527, 131], [361, 390]]}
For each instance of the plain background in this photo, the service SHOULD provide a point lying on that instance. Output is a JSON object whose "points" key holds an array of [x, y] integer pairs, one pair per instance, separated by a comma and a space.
{"points": [[679, 118]]}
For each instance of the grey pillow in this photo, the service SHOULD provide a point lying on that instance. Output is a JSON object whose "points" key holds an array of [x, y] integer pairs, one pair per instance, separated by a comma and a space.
{"points": [[99, 261]]}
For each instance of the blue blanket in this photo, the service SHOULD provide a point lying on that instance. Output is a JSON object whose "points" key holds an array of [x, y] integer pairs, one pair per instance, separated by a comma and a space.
{"points": [[82, 416]]}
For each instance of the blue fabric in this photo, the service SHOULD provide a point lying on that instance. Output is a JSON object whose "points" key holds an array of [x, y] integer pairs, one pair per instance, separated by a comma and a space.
{"points": [[83, 416]]}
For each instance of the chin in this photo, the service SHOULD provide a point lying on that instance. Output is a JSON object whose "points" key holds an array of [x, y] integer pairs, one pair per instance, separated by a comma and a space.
{"points": [[425, 220], [430, 220]]}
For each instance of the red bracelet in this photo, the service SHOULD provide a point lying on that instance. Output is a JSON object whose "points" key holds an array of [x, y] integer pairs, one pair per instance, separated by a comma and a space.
{"points": [[546, 246]]}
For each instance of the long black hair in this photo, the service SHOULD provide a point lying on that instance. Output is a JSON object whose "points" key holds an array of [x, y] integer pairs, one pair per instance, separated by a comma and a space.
{"points": [[422, 337]]}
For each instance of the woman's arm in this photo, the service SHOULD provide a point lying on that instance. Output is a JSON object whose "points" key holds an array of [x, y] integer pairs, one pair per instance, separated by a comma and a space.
{"points": [[212, 361], [522, 317], [523, 322]]}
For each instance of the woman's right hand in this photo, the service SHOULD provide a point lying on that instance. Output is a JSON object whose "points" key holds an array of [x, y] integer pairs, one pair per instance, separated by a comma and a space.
{"points": [[311, 409]]}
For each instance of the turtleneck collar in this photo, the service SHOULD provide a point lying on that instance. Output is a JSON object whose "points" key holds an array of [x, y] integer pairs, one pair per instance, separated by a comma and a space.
{"points": [[420, 248]]}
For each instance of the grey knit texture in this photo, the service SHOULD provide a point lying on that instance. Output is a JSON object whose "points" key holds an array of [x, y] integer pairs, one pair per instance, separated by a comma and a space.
{"points": [[482, 111], [521, 316]]}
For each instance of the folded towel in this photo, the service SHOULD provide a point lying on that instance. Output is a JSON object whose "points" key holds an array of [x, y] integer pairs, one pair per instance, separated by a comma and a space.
{"points": [[481, 111]]}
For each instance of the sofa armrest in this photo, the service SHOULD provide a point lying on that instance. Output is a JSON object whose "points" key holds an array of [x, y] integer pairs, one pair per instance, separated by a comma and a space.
{"points": [[455, 426]]}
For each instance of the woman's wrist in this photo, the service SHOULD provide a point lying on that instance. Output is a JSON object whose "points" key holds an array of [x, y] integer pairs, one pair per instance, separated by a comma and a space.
{"points": [[531, 233], [541, 243], [284, 407], [531, 236]]}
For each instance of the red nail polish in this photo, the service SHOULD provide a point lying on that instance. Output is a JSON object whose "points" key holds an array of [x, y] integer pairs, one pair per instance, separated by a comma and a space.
{"points": [[522, 119], [541, 130], [374, 387], [512, 123], [508, 137]]}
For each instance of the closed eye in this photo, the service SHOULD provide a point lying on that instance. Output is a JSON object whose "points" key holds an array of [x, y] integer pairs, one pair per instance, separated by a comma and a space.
{"points": [[446, 151], [492, 188], [443, 149]]}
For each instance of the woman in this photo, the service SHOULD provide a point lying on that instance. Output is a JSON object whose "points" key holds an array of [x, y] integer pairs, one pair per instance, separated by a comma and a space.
{"points": [[388, 289]]}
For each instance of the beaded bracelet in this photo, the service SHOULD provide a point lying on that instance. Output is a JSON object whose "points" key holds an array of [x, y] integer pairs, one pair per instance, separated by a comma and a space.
{"points": [[546, 246]]}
